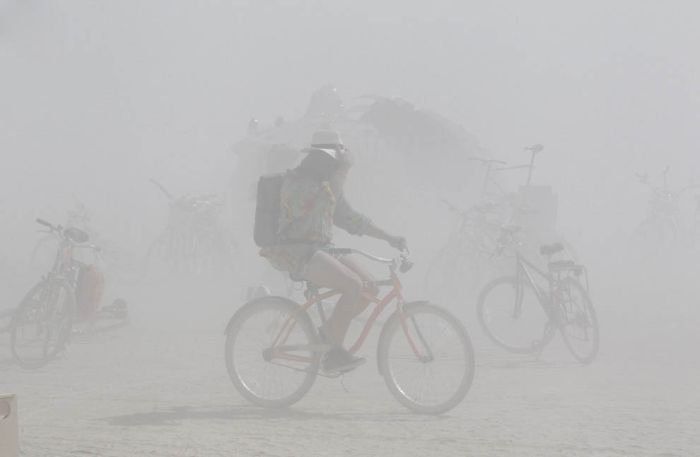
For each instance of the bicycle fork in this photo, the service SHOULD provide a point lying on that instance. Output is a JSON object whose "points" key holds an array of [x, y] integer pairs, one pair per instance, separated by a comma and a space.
{"points": [[424, 356]]}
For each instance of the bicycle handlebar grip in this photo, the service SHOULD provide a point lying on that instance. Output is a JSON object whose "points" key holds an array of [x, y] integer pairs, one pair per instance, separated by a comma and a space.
{"points": [[45, 223], [340, 251], [535, 148]]}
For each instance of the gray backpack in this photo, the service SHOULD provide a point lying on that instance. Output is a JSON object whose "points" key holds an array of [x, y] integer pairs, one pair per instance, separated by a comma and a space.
{"points": [[267, 209]]}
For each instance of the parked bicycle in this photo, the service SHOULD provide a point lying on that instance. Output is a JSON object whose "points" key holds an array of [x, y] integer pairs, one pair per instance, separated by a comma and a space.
{"points": [[42, 322], [522, 312], [470, 255], [70, 293], [273, 350], [193, 241]]}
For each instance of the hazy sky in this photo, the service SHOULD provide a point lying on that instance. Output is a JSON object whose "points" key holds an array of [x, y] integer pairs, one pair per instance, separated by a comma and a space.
{"points": [[610, 87]]}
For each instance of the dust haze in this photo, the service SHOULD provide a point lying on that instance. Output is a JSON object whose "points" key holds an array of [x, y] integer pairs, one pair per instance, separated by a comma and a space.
{"points": [[478, 129]]}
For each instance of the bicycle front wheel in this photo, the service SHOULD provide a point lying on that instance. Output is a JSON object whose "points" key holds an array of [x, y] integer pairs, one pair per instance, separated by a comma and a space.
{"points": [[578, 323], [42, 323], [512, 316], [426, 358], [271, 353]]}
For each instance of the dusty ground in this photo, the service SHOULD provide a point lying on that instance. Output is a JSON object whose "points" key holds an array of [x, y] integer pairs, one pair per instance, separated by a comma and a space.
{"points": [[159, 388]]}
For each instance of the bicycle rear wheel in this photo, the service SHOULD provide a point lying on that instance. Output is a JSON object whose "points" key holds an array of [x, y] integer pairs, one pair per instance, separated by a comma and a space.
{"points": [[512, 317], [578, 323], [426, 358], [270, 352], [42, 323]]}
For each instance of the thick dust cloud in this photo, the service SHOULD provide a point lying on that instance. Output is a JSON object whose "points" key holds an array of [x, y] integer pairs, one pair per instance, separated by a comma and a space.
{"points": [[476, 130]]}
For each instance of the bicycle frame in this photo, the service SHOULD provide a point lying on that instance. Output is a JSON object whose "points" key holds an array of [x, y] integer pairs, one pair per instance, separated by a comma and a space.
{"points": [[280, 350], [489, 164], [527, 270], [530, 167], [65, 267]]}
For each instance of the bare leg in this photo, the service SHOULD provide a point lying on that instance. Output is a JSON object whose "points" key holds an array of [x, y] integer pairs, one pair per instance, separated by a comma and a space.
{"points": [[325, 270]]}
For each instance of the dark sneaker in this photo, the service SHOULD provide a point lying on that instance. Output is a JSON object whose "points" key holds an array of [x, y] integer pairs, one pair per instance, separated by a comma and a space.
{"points": [[338, 360]]}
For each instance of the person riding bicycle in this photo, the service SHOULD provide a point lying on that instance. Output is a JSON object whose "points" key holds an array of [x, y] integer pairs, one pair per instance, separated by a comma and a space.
{"points": [[312, 202]]}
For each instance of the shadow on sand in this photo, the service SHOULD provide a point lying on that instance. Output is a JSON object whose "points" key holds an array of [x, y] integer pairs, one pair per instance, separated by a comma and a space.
{"points": [[177, 415]]}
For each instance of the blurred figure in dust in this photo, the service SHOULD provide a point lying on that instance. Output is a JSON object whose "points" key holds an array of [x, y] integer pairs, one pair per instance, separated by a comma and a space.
{"points": [[312, 202]]}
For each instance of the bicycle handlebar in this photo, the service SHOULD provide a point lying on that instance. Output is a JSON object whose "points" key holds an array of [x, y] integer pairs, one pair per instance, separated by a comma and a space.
{"points": [[453, 208], [45, 223], [70, 234], [162, 189]]}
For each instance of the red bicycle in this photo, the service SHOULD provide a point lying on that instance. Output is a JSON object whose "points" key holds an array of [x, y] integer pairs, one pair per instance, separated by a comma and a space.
{"points": [[273, 351]]}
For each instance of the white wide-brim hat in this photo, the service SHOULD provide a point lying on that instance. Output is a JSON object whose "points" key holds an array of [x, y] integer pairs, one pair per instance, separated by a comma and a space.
{"points": [[322, 138], [329, 142]]}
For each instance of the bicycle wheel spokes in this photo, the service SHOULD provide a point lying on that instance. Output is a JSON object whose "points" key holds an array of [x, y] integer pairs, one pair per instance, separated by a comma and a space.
{"points": [[31, 326], [427, 360], [511, 315], [42, 324], [270, 353], [578, 322]]}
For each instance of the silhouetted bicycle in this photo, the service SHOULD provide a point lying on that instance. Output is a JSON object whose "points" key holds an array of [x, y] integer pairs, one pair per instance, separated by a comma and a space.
{"points": [[41, 324], [193, 242], [521, 313]]}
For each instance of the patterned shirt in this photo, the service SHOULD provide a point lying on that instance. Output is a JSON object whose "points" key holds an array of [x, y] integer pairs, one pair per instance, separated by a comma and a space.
{"points": [[308, 211]]}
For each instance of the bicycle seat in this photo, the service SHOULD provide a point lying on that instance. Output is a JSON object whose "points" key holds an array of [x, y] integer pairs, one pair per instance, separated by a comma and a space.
{"points": [[339, 251], [565, 265], [536, 148], [551, 249], [76, 235]]}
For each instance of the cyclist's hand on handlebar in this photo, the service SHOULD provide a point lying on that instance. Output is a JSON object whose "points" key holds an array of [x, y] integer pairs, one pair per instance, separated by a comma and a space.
{"points": [[397, 242]]}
